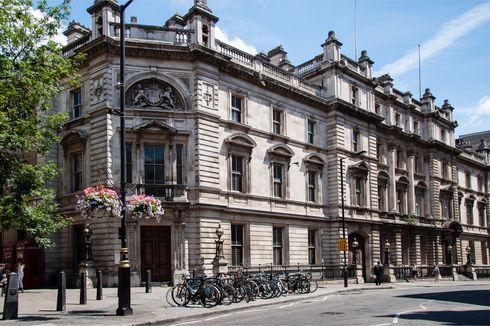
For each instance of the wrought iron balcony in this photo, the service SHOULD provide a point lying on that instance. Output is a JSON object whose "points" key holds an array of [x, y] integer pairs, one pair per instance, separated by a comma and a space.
{"points": [[167, 192]]}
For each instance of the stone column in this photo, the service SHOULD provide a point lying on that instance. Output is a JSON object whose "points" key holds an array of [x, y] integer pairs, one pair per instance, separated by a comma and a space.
{"points": [[411, 182], [392, 182], [396, 249]]}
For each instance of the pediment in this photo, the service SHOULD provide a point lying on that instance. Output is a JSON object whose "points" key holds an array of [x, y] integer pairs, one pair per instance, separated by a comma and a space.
{"points": [[156, 126], [241, 140], [73, 136], [281, 150]]}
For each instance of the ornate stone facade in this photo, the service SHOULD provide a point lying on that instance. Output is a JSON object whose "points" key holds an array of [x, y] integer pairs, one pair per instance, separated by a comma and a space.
{"points": [[254, 143]]}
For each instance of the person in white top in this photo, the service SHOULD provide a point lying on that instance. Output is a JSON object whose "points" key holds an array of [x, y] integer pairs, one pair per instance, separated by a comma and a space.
{"points": [[20, 271]]}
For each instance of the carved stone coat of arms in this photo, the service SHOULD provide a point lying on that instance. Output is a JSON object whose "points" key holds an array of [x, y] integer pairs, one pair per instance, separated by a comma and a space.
{"points": [[153, 93]]}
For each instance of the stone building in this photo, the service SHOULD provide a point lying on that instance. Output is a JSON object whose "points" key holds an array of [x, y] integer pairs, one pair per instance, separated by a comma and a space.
{"points": [[254, 143]]}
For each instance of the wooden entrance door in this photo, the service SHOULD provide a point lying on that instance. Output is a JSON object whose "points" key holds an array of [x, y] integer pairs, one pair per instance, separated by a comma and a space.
{"points": [[155, 253]]}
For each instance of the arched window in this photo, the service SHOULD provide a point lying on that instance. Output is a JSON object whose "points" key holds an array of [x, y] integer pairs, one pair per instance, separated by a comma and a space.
{"points": [[314, 167], [240, 148], [401, 195], [383, 179], [280, 158], [358, 174]]}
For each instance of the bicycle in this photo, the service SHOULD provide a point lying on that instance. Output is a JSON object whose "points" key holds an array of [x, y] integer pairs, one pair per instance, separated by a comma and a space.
{"points": [[195, 290]]}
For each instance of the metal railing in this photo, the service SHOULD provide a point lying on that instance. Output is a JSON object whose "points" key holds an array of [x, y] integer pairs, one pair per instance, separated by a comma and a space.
{"points": [[318, 272], [482, 271], [405, 272], [166, 191]]}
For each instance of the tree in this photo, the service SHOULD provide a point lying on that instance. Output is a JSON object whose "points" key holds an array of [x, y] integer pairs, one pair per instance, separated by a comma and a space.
{"points": [[32, 69]]}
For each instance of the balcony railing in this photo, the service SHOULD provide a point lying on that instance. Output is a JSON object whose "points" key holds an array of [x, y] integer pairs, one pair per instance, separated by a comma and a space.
{"points": [[167, 192]]}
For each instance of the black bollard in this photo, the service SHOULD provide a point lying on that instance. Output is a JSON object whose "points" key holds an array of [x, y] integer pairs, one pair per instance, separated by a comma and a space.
{"points": [[83, 288], [193, 273], [11, 303], [99, 285], [148, 281], [61, 301]]}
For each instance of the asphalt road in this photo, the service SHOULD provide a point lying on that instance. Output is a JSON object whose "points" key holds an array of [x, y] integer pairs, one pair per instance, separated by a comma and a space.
{"points": [[424, 305]]}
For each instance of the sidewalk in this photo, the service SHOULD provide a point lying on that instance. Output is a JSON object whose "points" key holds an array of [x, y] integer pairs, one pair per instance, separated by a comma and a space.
{"points": [[38, 307]]}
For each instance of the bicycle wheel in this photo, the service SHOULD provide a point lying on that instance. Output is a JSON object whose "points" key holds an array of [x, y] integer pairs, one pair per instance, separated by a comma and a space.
{"points": [[228, 295], [313, 286], [209, 296], [180, 295]]}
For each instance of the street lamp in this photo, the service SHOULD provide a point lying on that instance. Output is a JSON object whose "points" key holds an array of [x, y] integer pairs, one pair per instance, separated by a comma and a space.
{"points": [[343, 214], [387, 252], [450, 254], [468, 254], [355, 246], [87, 234], [124, 277]]}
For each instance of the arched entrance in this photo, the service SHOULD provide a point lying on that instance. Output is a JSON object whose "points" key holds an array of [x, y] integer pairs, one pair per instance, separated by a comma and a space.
{"points": [[452, 231]]}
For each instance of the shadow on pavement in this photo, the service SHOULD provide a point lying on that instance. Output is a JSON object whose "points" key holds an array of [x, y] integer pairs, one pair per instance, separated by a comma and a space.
{"points": [[90, 312], [476, 297], [35, 318]]}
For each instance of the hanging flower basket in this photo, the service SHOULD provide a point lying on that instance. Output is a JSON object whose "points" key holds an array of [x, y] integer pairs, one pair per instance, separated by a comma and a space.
{"points": [[99, 202], [142, 206]]}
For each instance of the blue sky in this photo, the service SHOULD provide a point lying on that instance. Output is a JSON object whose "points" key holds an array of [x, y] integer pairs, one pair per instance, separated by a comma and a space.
{"points": [[454, 36]]}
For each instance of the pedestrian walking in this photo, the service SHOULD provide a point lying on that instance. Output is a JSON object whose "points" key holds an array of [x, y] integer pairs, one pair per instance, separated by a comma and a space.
{"points": [[378, 273], [436, 273], [20, 271], [414, 272]]}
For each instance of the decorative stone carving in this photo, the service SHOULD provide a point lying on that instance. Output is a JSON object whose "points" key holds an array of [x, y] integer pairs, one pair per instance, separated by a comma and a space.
{"points": [[153, 93]]}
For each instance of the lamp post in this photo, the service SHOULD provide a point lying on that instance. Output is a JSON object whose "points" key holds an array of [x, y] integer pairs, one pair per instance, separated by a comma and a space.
{"points": [[450, 254], [124, 277], [355, 247], [87, 234], [387, 252], [343, 214]]}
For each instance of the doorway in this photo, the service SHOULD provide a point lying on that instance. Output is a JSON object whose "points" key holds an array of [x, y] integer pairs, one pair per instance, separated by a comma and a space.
{"points": [[156, 253]]}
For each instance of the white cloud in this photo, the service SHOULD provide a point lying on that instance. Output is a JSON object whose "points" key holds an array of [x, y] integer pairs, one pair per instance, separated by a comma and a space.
{"points": [[59, 37], [483, 106], [234, 41], [448, 33], [478, 114]]}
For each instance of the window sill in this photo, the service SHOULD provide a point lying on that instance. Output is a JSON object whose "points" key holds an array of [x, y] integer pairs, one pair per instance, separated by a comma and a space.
{"points": [[237, 125]]}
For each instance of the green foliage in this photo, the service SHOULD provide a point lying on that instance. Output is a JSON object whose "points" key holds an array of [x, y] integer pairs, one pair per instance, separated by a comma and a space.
{"points": [[411, 219], [31, 70]]}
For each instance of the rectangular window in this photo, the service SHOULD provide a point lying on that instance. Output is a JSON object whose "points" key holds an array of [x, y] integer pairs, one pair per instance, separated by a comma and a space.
{"points": [[278, 179], [277, 245], [480, 183], [416, 127], [236, 245], [468, 180], [277, 121], [443, 135], [397, 119], [236, 108], [399, 159], [310, 137], [236, 173], [154, 164], [312, 247], [382, 197], [129, 162], [469, 212], [76, 96], [77, 172], [354, 94], [179, 163], [484, 252], [377, 108], [416, 162], [445, 173], [379, 152], [359, 191], [311, 186], [419, 203], [356, 141], [447, 204], [481, 214], [401, 201]]}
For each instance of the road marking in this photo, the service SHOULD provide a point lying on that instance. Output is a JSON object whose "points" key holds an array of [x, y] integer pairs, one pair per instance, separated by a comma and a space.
{"points": [[189, 322], [395, 320], [288, 305], [318, 300], [253, 310], [221, 316]]}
